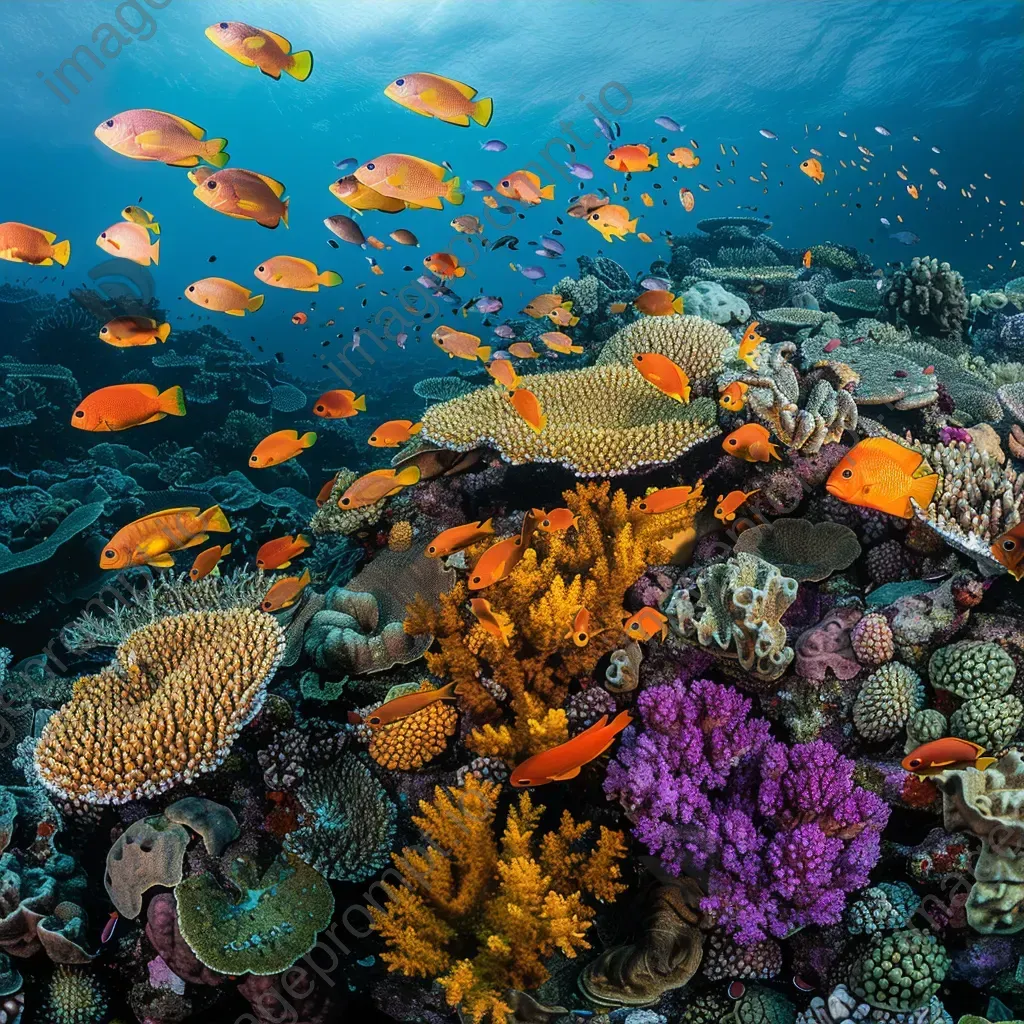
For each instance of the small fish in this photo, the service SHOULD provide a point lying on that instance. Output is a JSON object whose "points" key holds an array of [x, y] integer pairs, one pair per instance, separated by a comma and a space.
{"points": [[151, 539], [813, 169], [913, 192], [346, 229], [530, 273], [666, 122], [461, 345], [882, 130], [134, 331], [807, 258], [280, 446], [668, 377], [325, 491], [564, 762], [488, 304], [505, 331], [417, 182], [359, 197], [525, 187], [444, 98], [878, 473], [242, 194], [298, 274], [1008, 550], [687, 199], [260, 48], [561, 343], [109, 928], [645, 624], [346, 166], [604, 128], [22, 243], [299, 318], [644, 237], [948, 754], [583, 206], [206, 561], [563, 317], [523, 350], [481, 185], [339, 404], [733, 397], [555, 521], [552, 244], [403, 237], [729, 504], [659, 302], [447, 542], [580, 633], [444, 265], [581, 171], [528, 406], [683, 156], [885, 221], [123, 406], [137, 215], [497, 562], [494, 146], [632, 158], [749, 344], [666, 499], [281, 551], [130, 242], [504, 373], [284, 593], [484, 614], [612, 222], [145, 134], [407, 705], [380, 483], [905, 238], [542, 305], [645, 198], [767, 134], [394, 433], [752, 443], [618, 307]]}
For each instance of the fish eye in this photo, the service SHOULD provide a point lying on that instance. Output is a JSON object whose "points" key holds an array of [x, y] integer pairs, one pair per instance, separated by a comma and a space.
{"points": [[370, 166], [104, 330], [110, 123], [399, 81], [103, 234], [110, 553], [191, 287], [223, 24], [193, 573], [253, 458], [1009, 544], [847, 473], [504, 184], [732, 442], [265, 606], [477, 579], [374, 721], [916, 763], [595, 216], [210, 183], [260, 269], [546, 522], [582, 636], [635, 626], [79, 414]]}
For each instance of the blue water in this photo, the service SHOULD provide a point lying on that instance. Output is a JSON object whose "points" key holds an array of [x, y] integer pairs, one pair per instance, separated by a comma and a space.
{"points": [[947, 71]]}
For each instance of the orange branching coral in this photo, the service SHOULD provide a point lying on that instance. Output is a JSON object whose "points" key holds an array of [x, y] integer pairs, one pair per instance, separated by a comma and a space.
{"points": [[591, 567], [400, 536], [411, 742], [481, 917]]}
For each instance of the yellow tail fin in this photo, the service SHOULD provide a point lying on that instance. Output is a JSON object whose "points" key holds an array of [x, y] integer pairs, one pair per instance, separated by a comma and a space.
{"points": [[922, 490], [154, 227], [213, 519], [985, 762], [653, 159], [632, 224], [302, 65], [460, 271], [415, 428], [163, 332], [172, 401], [455, 197], [225, 551], [284, 214], [329, 279], [482, 112], [677, 304], [409, 476], [213, 152], [62, 252], [547, 192], [484, 353], [360, 403], [154, 252], [308, 439], [254, 302]]}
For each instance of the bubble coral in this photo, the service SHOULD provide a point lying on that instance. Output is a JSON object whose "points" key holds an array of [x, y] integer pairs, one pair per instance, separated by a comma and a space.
{"points": [[400, 536], [900, 971], [991, 722], [167, 709], [885, 702], [724, 959], [929, 296], [872, 640], [887, 562]]}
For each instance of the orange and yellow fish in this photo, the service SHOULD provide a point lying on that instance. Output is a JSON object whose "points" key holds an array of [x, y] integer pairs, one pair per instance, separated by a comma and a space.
{"points": [[729, 504], [752, 443], [122, 406], [499, 628], [325, 491], [419, 183], [645, 624], [880, 474], [206, 561], [565, 761], [280, 552], [944, 755], [686, 198], [460, 345], [580, 632], [813, 169], [525, 187], [444, 264], [151, 539], [223, 296], [260, 48], [497, 562], [749, 344], [646, 199], [359, 197], [1008, 550], [523, 350], [444, 98], [659, 302], [683, 156], [380, 483], [339, 404], [129, 241], [284, 593], [612, 222], [245, 195], [22, 243], [408, 704], [562, 316], [145, 134], [561, 343], [542, 305], [133, 331], [394, 433], [298, 274], [733, 396], [447, 542], [807, 258], [631, 158], [504, 373], [528, 406], [668, 377], [279, 447]]}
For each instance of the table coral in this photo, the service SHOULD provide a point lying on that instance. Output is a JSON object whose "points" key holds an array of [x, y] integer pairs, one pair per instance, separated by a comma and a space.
{"points": [[801, 549], [928, 295], [168, 708], [853, 298], [794, 317], [479, 916], [689, 341]]}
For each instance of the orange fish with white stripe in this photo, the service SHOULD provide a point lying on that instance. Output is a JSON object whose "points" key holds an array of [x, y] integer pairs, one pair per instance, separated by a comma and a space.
{"points": [[565, 761]]}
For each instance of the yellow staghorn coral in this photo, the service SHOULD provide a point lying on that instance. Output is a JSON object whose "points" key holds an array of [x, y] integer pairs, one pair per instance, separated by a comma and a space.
{"points": [[169, 707], [592, 566], [503, 908], [601, 421], [693, 343]]}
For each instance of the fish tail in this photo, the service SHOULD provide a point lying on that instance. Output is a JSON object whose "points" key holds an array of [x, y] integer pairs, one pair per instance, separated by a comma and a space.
{"points": [[172, 401], [213, 152], [284, 213], [547, 192], [308, 439], [573, 321], [922, 490], [455, 197], [985, 762], [415, 428], [482, 112], [460, 272], [154, 252], [225, 551], [678, 305], [773, 453], [304, 539], [653, 159], [360, 403], [631, 225], [483, 353], [487, 526], [329, 278], [254, 302], [154, 227], [213, 519], [163, 332], [301, 66], [62, 252], [409, 476], [620, 721]]}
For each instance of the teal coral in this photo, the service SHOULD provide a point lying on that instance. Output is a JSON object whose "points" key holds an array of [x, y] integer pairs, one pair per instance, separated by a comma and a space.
{"points": [[972, 669], [833, 257], [886, 701], [991, 722], [79, 520], [853, 298], [924, 726], [900, 971], [882, 908], [800, 548]]}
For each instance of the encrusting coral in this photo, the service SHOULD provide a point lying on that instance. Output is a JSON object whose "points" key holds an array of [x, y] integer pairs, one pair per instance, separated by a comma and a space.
{"points": [[800, 549], [481, 917], [411, 742]]}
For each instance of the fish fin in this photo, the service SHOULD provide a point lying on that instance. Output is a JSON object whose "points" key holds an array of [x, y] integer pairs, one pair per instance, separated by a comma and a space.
{"points": [[487, 526], [570, 774], [163, 332], [576, 349], [154, 252], [161, 561], [155, 418], [455, 197], [275, 186], [191, 510], [922, 490], [213, 153], [235, 312], [193, 129], [62, 252], [547, 192], [773, 452], [249, 205], [172, 401], [286, 47], [415, 428], [215, 520], [185, 161], [302, 65], [985, 762], [483, 353], [653, 159], [631, 225], [242, 59], [408, 476], [677, 304], [397, 179], [308, 439], [360, 403], [284, 565], [253, 303], [482, 110], [255, 42], [907, 460], [460, 272], [573, 321], [329, 278], [304, 540], [305, 579]]}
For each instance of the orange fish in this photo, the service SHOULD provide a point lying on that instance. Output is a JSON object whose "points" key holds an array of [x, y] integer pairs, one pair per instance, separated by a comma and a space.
{"points": [[667, 499], [646, 623], [683, 156], [912, 189], [130, 241], [381, 483], [752, 443], [559, 342], [394, 433], [878, 473], [408, 704], [668, 377], [944, 755], [284, 593], [813, 169], [134, 331], [632, 158], [1008, 550], [749, 344], [733, 397], [444, 98], [279, 552], [206, 561], [243, 194], [298, 274], [359, 197], [504, 373], [527, 405], [497, 562], [728, 504], [544, 304], [646, 199], [617, 307], [145, 134], [299, 318], [580, 633], [339, 405], [526, 187], [260, 48], [491, 202], [447, 542], [223, 296], [807, 258], [658, 302], [565, 761], [444, 264], [460, 345], [555, 521], [325, 491], [122, 406], [418, 182], [22, 243], [375, 242], [563, 317], [687, 199], [523, 350], [484, 614], [279, 447], [151, 539]]}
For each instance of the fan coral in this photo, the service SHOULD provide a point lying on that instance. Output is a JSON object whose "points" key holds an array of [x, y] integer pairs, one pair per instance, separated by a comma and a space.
{"points": [[886, 701], [872, 640], [741, 604], [929, 296], [168, 708], [782, 833], [901, 971], [801, 549], [972, 668], [882, 908], [480, 917]]}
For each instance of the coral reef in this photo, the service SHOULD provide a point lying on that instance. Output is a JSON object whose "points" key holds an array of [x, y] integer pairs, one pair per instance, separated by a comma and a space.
{"points": [[928, 295], [800, 549]]}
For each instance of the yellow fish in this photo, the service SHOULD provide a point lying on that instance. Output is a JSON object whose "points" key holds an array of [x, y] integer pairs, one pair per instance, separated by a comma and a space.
{"points": [[260, 48], [444, 98], [612, 222], [418, 182], [878, 473]]}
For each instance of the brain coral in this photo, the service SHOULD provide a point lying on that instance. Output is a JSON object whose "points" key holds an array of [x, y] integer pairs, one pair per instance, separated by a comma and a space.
{"points": [[972, 668], [168, 708]]}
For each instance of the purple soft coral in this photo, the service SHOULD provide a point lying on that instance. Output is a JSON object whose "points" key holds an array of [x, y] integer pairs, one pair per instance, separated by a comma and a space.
{"points": [[782, 832]]}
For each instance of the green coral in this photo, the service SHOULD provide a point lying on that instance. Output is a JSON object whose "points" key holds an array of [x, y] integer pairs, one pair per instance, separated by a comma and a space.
{"points": [[886, 701], [792, 316], [853, 298], [760, 1005], [312, 687], [972, 668], [833, 257], [900, 971], [75, 997], [991, 722], [924, 726], [262, 929], [881, 908], [77, 522], [802, 549]]}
